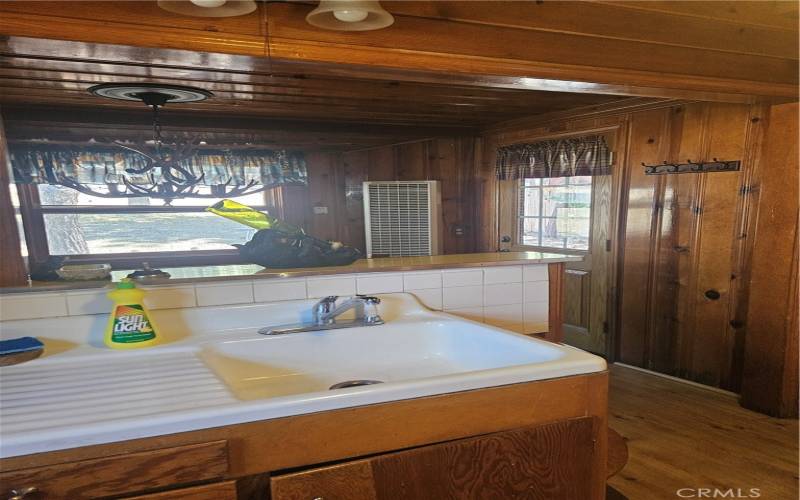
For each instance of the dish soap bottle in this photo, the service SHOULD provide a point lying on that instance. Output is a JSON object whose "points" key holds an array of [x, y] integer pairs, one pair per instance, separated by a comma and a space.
{"points": [[130, 325]]}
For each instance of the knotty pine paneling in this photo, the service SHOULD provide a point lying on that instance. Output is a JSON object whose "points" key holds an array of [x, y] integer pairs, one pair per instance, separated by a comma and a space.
{"points": [[448, 160], [711, 338], [335, 182], [297, 203], [679, 255], [647, 143], [12, 267], [662, 321], [769, 378], [674, 237]]}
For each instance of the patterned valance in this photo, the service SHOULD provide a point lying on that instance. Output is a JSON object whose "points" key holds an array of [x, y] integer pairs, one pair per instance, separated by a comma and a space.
{"points": [[567, 157], [47, 164]]}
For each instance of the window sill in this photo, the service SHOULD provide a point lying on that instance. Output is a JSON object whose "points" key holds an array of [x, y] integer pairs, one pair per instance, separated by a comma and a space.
{"points": [[180, 275], [563, 251]]}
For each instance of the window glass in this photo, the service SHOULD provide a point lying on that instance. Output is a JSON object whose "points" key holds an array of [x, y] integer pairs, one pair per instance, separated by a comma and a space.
{"points": [[555, 213], [51, 195], [12, 189], [80, 234], [172, 228]]}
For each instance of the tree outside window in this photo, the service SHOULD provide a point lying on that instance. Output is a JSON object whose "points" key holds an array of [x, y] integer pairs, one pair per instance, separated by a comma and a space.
{"points": [[555, 213]]}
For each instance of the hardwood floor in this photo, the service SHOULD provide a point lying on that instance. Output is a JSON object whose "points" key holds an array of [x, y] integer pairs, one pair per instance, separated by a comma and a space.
{"points": [[681, 436]]}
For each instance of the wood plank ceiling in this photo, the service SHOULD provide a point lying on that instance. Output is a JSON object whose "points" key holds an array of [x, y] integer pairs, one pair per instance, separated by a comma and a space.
{"points": [[249, 83], [303, 96], [349, 113], [43, 81]]}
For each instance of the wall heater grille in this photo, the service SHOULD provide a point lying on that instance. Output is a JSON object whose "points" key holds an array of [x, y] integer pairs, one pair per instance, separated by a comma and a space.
{"points": [[401, 218]]}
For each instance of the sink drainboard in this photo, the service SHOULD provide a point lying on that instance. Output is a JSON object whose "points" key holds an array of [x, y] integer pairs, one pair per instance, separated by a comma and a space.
{"points": [[353, 383]]}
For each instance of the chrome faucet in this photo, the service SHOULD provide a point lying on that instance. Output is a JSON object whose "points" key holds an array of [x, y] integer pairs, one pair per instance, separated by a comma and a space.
{"points": [[324, 316]]}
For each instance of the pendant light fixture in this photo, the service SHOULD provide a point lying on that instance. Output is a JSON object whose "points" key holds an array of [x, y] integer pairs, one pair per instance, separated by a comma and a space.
{"points": [[208, 8], [350, 15], [174, 180]]}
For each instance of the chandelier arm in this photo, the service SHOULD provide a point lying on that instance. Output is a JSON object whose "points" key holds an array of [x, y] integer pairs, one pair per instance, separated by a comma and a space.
{"points": [[188, 175], [237, 191], [150, 158], [139, 190], [82, 188]]}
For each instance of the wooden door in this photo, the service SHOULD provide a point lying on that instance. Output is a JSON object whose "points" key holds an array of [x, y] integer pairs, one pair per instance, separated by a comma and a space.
{"points": [[587, 283], [554, 461]]}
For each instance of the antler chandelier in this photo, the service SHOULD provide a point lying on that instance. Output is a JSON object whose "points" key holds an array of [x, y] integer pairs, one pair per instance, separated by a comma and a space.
{"points": [[175, 179]]}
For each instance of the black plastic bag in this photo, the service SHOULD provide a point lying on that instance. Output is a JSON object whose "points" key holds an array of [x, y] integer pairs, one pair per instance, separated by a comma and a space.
{"points": [[278, 249]]}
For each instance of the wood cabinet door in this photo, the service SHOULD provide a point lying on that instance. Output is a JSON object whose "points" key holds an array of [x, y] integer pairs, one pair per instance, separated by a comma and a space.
{"points": [[552, 462], [125, 474], [215, 491]]}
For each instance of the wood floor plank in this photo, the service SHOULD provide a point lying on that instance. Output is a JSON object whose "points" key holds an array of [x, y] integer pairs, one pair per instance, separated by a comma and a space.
{"points": [[682, 436]]}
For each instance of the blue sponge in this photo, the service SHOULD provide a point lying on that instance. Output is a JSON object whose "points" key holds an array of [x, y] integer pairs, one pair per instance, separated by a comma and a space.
{"points": [[22, 344]]}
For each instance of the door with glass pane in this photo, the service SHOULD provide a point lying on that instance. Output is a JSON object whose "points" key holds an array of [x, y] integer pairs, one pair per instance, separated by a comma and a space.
{"points": [[567, 215]]}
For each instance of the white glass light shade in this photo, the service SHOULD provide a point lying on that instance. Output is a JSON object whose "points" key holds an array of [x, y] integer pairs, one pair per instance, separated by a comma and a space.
{"points": [[350, 15], [209, 4], [208, 8]]}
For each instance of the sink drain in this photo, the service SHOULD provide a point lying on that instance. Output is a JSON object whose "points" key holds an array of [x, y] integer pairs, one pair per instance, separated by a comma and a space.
{"points": [[353, 383]]}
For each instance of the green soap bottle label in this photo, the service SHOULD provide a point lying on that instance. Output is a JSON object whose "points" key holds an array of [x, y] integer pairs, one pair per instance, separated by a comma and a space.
{"points": [[131, 325]]}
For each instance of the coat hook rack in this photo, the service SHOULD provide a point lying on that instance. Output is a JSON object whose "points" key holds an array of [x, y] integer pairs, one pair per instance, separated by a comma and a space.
{"points": [[691, 167]]}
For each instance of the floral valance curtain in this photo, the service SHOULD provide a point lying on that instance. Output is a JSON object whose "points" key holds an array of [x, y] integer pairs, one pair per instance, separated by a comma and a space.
{"points": [[47, 164], [567, 157]]}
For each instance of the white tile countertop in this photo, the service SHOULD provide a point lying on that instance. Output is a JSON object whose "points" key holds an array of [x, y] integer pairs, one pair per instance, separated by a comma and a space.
{"points": [[514, 297], [182, 275]]}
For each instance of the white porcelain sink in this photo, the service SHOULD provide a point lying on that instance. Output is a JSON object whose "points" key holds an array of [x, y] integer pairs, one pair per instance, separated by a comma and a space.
{"points": [[438, 351], [214, 369]]}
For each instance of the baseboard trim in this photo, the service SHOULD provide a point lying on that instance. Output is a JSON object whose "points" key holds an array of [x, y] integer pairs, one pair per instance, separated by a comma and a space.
{"points": [[678, 379]]}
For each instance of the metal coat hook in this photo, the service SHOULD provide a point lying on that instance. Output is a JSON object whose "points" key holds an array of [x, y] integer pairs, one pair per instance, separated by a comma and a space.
{"points": [[716, 165]]}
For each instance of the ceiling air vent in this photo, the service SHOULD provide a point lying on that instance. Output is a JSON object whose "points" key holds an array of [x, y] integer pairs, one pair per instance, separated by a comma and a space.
{"points": [[401, 218]]}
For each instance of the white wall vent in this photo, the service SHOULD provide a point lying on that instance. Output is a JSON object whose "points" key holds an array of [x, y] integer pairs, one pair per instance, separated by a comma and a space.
{"points": [[401, 218]]}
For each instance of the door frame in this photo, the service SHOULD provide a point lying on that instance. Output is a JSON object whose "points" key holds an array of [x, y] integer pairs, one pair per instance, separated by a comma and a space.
{"points": [[617, 130]]}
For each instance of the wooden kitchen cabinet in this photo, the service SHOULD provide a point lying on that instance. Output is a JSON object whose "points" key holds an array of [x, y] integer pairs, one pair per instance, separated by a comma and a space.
{"points": [[123, 474], [550, 461], [541, 439], [215, 491]]}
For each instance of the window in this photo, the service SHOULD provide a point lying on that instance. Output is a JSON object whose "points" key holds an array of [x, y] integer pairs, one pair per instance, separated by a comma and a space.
{"points": [[555, 213], [61, 221]]}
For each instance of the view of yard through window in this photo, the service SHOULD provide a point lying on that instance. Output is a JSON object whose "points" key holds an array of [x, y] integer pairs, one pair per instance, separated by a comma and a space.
{"points": [[555, 212], [174, 229], [125, 233]]}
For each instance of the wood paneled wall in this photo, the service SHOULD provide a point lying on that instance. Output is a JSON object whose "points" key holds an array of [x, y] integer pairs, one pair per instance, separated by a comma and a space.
{"points": [[677, 236], [12, 267], [335, 189], [683, 261], [769, 382]]}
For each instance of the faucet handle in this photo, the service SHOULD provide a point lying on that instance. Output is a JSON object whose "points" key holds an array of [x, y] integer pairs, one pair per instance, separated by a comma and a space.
{"points": [[369, 299], [323, 307]]}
